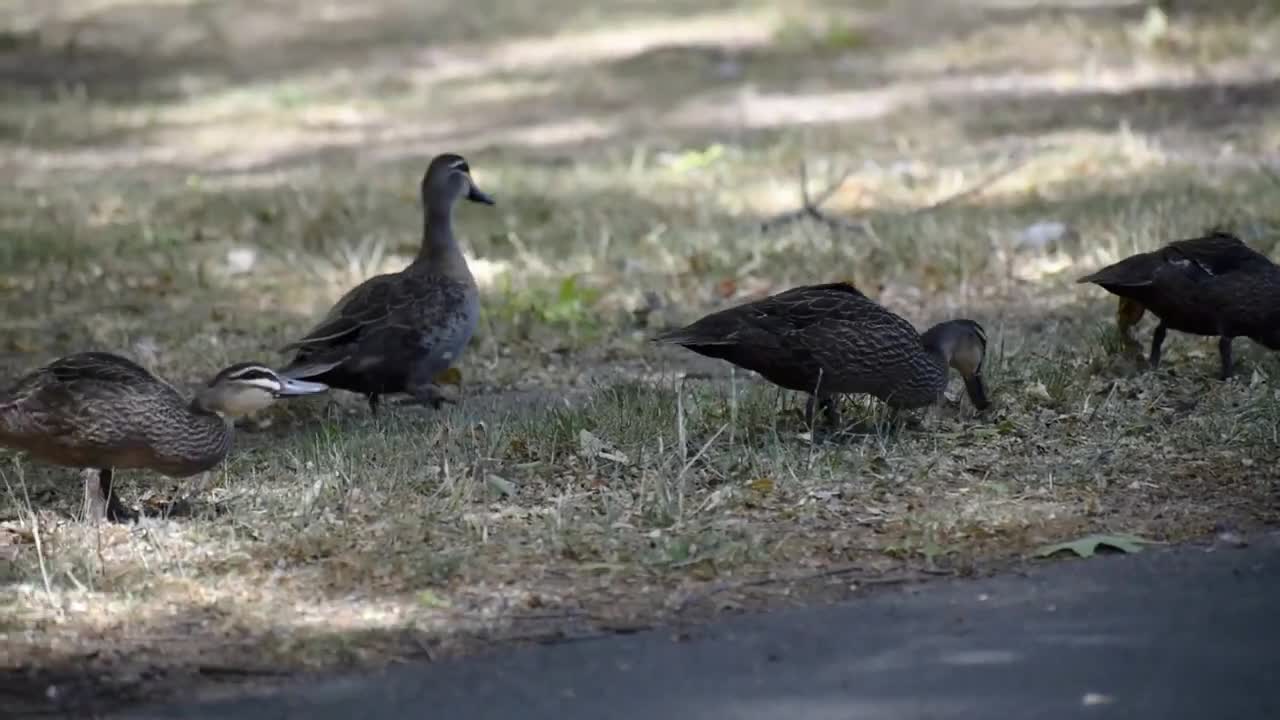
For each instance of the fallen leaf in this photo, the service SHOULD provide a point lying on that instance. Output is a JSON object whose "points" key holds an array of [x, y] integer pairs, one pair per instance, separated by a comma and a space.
{"points": [[502, 486], [763, 485], [1089, 545]]}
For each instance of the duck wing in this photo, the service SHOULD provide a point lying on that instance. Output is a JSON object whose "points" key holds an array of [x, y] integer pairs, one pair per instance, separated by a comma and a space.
{"points": [[785, 337], [766, 321], [860, 348], [1134, 271], [69, 396], [1216, 254], [399, 310]]}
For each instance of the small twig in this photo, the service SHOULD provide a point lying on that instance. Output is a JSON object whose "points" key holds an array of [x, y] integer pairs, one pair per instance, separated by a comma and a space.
{"points": [[810, 206], [680, 478], [836, 571], [681, 438], [977, 187], [35, 527], [44, 569], [733, 404], [831, 190]]}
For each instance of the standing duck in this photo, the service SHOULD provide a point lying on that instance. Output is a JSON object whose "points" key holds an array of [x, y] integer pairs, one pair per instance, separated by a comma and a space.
{"points": [[98, 410], [831, 339], [395, 333], [1213, 285]]}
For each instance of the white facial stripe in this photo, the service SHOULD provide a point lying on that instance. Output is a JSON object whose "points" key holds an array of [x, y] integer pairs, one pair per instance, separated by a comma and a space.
{"points": [[250, 369], [459, 163], [270, 386]]}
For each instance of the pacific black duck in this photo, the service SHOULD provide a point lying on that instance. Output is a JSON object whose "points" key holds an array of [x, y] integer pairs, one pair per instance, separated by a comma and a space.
{"points": [[831, 339], [1213, 285], [396, 332], [98, 410]]}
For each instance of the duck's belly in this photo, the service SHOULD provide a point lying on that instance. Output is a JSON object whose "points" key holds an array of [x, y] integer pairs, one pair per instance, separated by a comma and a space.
{"points": [[70, 453]]}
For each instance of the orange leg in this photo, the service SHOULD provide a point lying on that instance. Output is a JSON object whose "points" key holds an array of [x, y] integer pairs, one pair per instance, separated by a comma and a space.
{"points": [[1128, 314]]}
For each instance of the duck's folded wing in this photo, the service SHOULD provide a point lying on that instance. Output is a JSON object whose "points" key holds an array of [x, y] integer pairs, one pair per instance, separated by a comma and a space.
{"points": [[1133, 271], [424, 314], [1218, 254], [44, 406], [370, 303], [858, 345]]}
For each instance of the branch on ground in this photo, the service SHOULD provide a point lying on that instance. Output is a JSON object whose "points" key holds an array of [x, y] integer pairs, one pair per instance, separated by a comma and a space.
{"points": [[811, 207]]}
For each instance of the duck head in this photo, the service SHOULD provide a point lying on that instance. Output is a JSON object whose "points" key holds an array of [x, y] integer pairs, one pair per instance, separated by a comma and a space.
{"points": [[448, 180], [963, 346], [246, 388]]}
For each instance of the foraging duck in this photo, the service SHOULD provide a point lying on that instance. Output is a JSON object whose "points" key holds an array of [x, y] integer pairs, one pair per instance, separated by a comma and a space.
{"points": [[1213, 285], [831, 339], [396, 332], [97, 410]]}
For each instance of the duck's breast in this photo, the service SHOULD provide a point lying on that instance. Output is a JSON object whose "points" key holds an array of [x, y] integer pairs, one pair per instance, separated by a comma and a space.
{"points": [[447, 328]]}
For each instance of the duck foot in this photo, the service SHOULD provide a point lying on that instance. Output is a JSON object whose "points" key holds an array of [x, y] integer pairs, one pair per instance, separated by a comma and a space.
{"points": [[827, 405], [118, 513]]}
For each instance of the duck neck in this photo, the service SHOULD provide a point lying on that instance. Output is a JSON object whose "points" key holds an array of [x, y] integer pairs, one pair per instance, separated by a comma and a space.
{"points": [[927, 377], [439, 250], [938, 351], [204, 420]]}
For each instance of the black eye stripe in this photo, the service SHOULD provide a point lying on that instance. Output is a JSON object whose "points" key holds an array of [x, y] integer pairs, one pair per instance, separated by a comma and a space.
{"points": [[253, 374], [245, 372]]}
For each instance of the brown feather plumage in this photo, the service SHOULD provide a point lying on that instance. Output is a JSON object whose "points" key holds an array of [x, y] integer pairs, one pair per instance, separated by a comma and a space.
{"points": [[828, 339], [1214, 285]]}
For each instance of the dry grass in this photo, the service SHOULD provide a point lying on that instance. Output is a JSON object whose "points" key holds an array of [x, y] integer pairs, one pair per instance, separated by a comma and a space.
{"points": [[211, 192]]}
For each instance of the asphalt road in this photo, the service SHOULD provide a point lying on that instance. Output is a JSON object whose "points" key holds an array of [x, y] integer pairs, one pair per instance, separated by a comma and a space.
{"points": [[1191, 632]]}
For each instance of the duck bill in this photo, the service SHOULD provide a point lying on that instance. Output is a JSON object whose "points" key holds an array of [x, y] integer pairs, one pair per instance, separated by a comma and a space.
{"points": [[477, 195], [293, 388], [977, 390]]}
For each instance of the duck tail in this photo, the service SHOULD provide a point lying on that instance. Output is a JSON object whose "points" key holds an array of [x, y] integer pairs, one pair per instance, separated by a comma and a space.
{"points": [[1132, 271], [306, 369]]}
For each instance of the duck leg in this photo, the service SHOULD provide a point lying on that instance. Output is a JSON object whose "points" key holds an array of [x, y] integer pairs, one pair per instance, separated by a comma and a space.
{"points": [[373, 403], [116, 511], [825, 403], [1224, 350], [101, 501], [1157, 339], [1129, 313]]}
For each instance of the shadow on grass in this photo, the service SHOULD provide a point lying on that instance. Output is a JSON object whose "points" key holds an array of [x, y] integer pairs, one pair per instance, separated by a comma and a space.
{"points": [[129, 52], [692, 91]]}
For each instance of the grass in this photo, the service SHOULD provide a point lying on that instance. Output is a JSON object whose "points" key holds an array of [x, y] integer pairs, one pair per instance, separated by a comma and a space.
{"points": [[206, 205]]}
